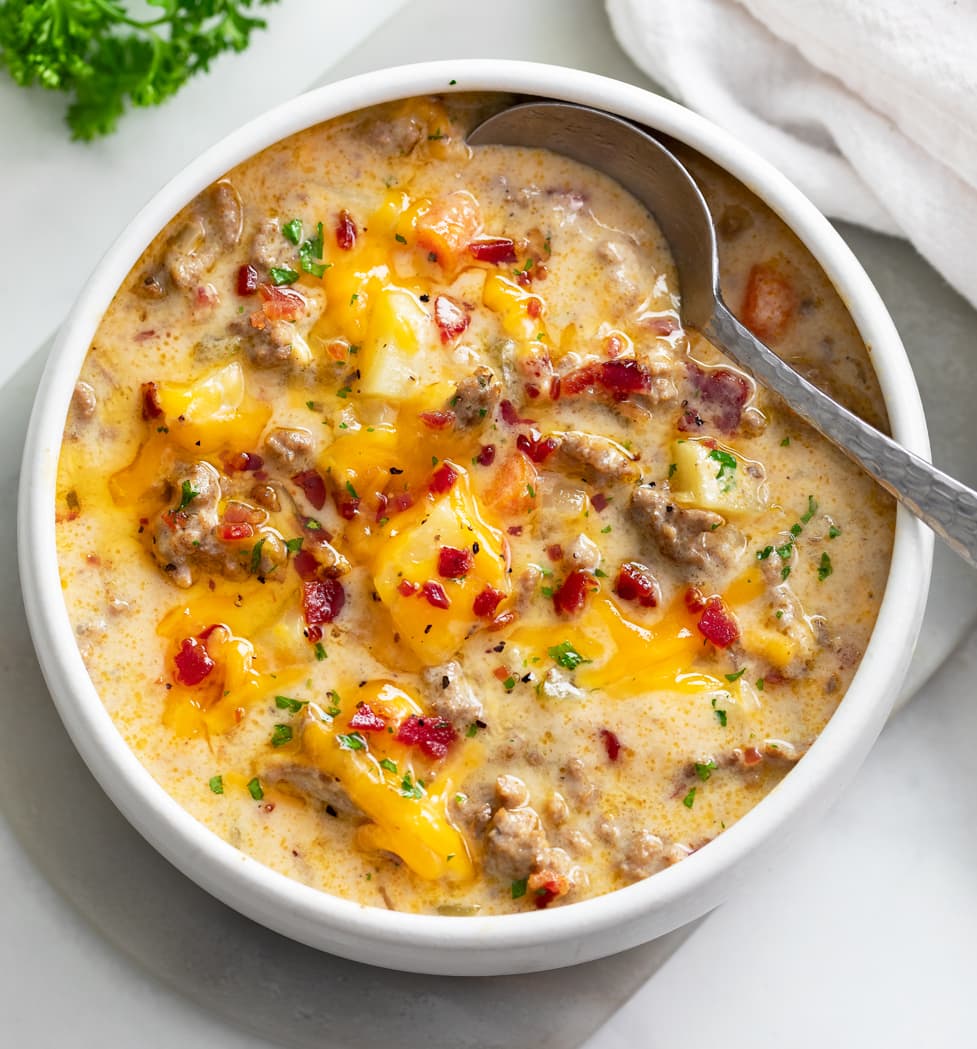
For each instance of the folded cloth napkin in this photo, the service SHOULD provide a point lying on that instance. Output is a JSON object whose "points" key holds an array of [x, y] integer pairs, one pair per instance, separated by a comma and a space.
{"points": [[869, 106]]}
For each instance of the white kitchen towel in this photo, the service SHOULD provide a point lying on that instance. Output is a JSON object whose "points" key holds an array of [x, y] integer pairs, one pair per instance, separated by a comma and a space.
{"points": [[870, 106]]}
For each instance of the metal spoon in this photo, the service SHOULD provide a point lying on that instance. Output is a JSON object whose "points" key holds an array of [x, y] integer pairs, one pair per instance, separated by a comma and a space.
{"points": [[650, 173]]}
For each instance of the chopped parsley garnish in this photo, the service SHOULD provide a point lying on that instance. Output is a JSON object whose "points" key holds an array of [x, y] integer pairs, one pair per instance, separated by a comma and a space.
{"points": [[351, 490], [320, 651], [436, 136], [216, 784], [833, 532], [281, 734], [726, 463], [283, 275], [390, 766], [720, 714], [672, 467], [292, 230], [518, 888], [762, 555], [785, 572], [824, 568], [399, 239], [344, 392], [735, 677], [472, 731], [530, 491], [411, 788], [353, 298], [785, 443], [812, 509], [294, 545], [311, 250], [759, 683], [352, 741], [567, 656], [313, 525], [509, 684], [255, 789], [546, 591], [689, 800], [187, 496], [704, 769], [256, 556], [293, 706], [605, 531], [600, 573]]}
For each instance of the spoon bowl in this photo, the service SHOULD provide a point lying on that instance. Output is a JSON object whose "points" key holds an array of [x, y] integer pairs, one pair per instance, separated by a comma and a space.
{"points": [[647, 170]]}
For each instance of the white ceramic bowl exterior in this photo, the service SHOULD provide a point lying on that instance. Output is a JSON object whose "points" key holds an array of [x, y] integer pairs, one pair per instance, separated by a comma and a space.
{"points": [[496, 944]]}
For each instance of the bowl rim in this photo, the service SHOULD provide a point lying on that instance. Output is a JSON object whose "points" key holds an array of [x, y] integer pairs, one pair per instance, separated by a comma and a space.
{"points": [[364, 932]]}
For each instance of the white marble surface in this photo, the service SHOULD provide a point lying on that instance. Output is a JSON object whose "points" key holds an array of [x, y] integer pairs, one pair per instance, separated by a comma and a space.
{"points": [[862, 935]]}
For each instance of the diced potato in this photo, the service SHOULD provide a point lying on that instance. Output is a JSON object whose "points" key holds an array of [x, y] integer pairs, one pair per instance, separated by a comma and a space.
{"points": [[409, 559], [712, 477], [214, 412], [362, 458], [401, 348]]}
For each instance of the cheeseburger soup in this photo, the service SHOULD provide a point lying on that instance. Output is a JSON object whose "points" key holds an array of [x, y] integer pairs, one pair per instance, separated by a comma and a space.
{"points": [[417, 550]]}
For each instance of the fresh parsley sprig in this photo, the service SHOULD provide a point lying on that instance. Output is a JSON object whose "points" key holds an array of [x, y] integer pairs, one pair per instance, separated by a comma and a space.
{"points": [[95, 52]]}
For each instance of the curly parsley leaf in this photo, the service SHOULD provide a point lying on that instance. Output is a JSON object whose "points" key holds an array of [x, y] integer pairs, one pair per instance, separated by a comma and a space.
{"points": [[105, 60]]}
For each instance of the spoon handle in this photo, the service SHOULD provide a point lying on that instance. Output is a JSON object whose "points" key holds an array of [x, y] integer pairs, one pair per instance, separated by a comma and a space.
{"points": [[946, 505]]}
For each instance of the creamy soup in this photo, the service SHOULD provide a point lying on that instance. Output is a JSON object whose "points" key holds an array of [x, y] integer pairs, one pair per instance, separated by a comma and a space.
{"points": [[417, 550]]}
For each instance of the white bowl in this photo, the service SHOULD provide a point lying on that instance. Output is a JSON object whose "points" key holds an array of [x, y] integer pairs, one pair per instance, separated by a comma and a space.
{"points": [[493, 944]]}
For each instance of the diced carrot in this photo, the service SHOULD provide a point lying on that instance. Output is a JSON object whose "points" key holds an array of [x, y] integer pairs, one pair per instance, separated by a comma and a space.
{"points": [[448, 226], [769, 302], [514, 488]]}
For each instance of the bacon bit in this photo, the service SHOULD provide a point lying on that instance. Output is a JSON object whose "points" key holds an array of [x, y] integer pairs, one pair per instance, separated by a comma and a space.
{"points": [[322, 600], [537, 447], [722, 396], [532, 391], [769, 302], [145, 335], [280, 304], [450, 318], [534, 307], [614, 346], [555, 552], [599, 502], [407, 589], [514, 529], [619, 377], [695, 600], [437, 420], [347, 508], [237, 513], [345, 230], [433, 736], [243, 462], [234, 531], [503, 619], [151, 408], [454, 563], [365, 720], [546, 886], [611, 743], [247, 281], [511, 416], [501, 673], [751, 756], [193, 662], [442, 479], [572, 594], [486, 455], [716, 624], [555, 388], [486, 601], [314, 634], [403, 501], [435, 595], [663, 325], [635, 583], [306, 564], [493, 249], [206, 296], [314, 487]]}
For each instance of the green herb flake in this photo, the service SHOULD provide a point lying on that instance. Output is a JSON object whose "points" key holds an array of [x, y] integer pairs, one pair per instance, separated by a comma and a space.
{"points": [[352, 741], [293, 706], [785, 572], [567, 656], [605, 531], [283, 275], [785, 443], [320, 651], [762, 555], [281, 734], [833, 532], [735, 677], [509, 684], [390, 766], [725, 460], [313, 525], [672, 467], [436, 137], [518, 888], [689, 800], [292, 230], [411, 788], [812, 509], [351, 490], [759, 684], [255, 789], [187, 496], [472, 731], [704, 769], [399, 239], [344, 392], [216, 784], [353, 297], [530, 491], [546, 591], [720, 714], [256, 556], [600, 573], [824, 568], [294, 545], [311, 250]]}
